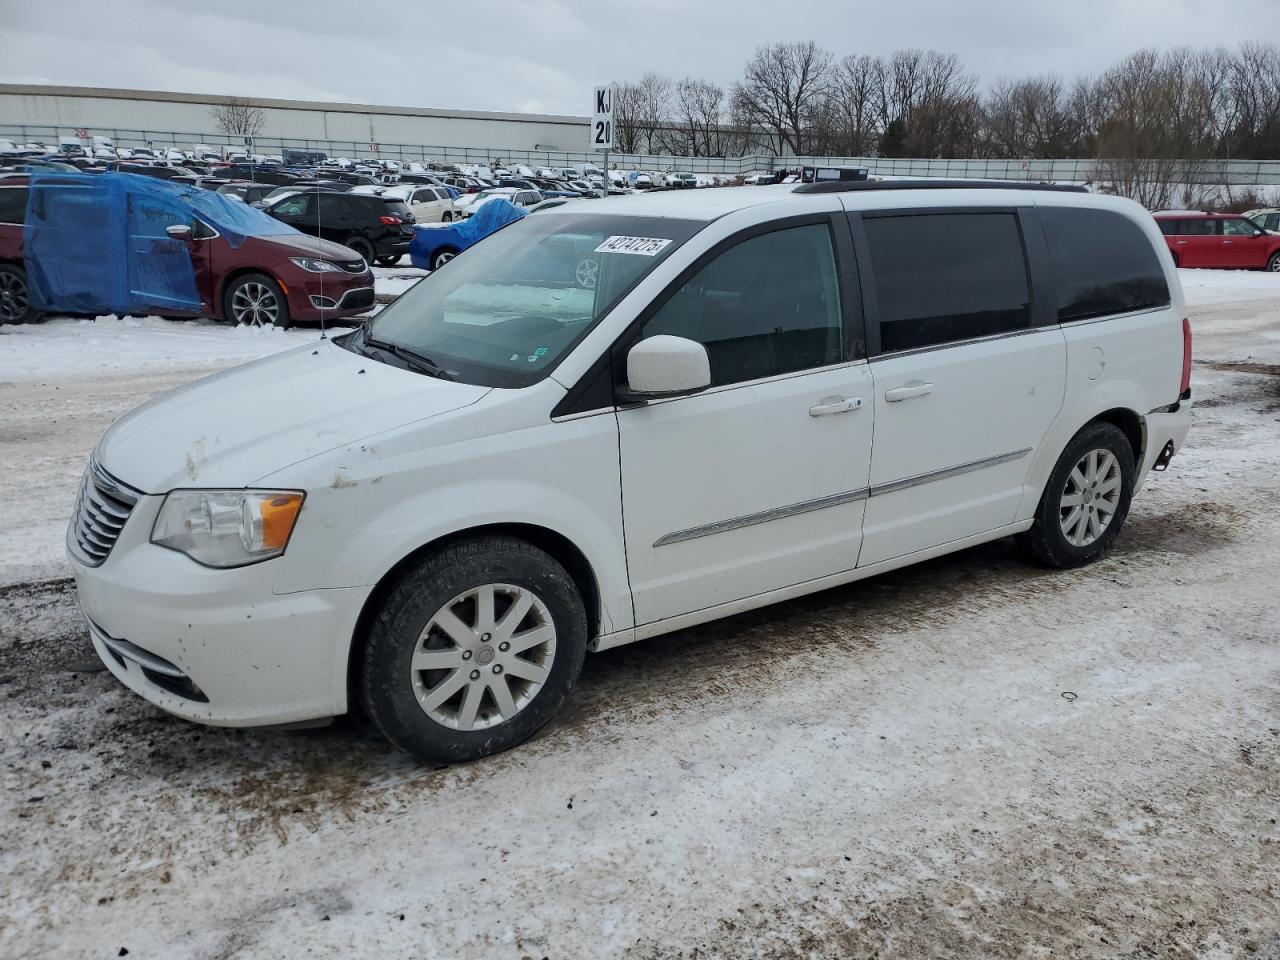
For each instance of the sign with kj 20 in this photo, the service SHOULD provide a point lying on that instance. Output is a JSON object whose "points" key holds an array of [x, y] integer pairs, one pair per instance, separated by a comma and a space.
{"points": [[602, 119]]}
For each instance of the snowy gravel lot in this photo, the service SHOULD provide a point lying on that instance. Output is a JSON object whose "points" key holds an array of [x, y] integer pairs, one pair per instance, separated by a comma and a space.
{"points": [[974, 757]]}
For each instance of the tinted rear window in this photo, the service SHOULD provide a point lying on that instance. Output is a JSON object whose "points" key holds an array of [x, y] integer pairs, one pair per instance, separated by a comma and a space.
{"points": [[1103, 263], [13, 204], [946, 277]]}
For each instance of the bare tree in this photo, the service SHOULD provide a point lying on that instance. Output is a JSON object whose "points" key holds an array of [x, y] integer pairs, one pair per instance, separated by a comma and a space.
{"points": [[781, 89], [1032, 118], [239, 117], [696, 127], [855, 83], [929, 99]]}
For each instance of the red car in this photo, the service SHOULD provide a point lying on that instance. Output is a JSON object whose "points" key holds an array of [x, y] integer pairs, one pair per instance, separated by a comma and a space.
{"points": [[15, 300], [1219, 240], [266, 280]]}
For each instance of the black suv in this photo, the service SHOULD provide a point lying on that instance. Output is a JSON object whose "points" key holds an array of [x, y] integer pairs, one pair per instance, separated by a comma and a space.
{"points": [[377, 228]]}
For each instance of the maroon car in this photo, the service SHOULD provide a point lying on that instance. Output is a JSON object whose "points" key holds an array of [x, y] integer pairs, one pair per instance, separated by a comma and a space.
{"points": [[264, 280], [15, 298]]}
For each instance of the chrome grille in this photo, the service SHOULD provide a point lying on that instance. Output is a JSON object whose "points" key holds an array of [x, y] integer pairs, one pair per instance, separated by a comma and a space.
{"points": [[103, 506]]}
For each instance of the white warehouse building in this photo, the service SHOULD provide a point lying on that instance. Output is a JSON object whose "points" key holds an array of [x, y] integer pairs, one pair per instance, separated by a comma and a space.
{"points": [[131, 117]]}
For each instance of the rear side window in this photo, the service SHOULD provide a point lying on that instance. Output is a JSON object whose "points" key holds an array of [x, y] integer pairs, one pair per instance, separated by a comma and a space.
{"points": [[1201, 227], [946, 277], [1103, 264], [13, 204]]}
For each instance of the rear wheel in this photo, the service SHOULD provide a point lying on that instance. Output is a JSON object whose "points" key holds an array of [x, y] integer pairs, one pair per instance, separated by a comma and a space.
{"points": [[255, 300], [1274, 263], [473, 650], [390, 261], [361, 246], [1086, 500], [15, 296], [442, 257]]}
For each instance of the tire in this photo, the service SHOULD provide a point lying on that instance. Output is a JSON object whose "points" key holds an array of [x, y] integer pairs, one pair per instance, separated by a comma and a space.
{"points": [[441, 257], [360, 246], [390, 261], [425, 711], [447, 218], [1067, 535], [243, 293], [15, 296], [1273, 264]]}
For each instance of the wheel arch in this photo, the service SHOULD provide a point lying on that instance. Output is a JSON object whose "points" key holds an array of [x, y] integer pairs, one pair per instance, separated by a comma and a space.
{"points": [[1130, 424], [557, 545]]}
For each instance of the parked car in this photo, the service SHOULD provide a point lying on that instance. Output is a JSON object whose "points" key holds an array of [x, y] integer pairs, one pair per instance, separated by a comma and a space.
{"points": [[434, 244], [553, 188], [468, 203], [517, 469], [16, 305], [246, 191], [180, 251], [682, 180], [1268, 218], [550, 204], [1219, 240], [256, 173], [429, 204], [376, 228]]}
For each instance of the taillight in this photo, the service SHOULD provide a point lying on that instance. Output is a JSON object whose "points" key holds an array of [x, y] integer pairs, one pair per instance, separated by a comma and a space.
{"points": [[1185, 386], [389, 221]]}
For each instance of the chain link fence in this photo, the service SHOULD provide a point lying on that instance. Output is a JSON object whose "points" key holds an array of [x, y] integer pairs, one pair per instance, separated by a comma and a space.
{"points": [[1209, 172]]}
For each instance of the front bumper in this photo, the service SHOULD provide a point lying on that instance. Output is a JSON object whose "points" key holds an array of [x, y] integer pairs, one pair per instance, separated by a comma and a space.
{"points": [[307, 293], [216, 646]]}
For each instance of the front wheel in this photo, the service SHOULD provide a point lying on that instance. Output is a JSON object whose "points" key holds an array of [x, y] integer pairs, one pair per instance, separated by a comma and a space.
{"points": [[473, 650], [441, 258], [1274, 263], [389, 261], [447, 218], [1086, 500], [255, 300]]}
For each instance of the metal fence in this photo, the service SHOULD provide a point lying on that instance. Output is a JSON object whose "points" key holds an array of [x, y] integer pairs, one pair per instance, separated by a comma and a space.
{"points": [[1217, 172]]}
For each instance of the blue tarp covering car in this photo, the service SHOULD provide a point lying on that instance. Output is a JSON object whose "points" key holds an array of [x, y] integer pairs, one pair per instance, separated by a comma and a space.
{"points": [[97, 243], [433, 245]]}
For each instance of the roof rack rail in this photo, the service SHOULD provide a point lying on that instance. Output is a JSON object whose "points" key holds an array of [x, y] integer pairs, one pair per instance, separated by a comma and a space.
{"points": [[851, 186]]}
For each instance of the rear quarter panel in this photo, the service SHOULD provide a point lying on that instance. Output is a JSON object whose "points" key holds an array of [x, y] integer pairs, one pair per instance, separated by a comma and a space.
{"points": [[1127, 361]]}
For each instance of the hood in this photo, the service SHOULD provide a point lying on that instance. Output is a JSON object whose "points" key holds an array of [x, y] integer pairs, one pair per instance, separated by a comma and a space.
{"points": [[299, 244], [235, 427]]}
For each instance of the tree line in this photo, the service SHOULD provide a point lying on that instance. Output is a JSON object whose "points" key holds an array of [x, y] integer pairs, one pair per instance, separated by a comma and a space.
{"points": [[801, 99]]}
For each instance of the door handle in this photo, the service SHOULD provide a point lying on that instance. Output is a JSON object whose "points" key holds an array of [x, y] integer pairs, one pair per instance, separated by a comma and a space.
{"points": [[1182, 243], [916, 388], [829, 405], [1225, 242]]}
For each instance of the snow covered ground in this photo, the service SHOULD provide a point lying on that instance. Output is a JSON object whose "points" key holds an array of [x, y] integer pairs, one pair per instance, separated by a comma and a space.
{"points": [[975, 757]]}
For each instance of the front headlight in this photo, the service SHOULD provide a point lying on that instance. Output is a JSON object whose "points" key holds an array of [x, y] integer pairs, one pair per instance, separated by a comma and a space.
{"points": [[312, 265], [227, 528]]}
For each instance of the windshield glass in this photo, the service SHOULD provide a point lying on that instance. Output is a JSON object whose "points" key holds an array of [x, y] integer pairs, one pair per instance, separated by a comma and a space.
{"points": [[505, 312]]}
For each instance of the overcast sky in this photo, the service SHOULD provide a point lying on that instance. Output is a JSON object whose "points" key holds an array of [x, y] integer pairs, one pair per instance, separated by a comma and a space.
{"points": [[545, 55]]}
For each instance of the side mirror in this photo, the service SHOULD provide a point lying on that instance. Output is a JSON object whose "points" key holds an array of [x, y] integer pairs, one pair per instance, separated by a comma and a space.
{"points": [[1259, 232], [179, 231], [665, 366]]}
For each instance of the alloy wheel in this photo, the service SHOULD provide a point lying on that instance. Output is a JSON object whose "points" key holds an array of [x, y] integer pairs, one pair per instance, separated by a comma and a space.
{"points": [[1090, 498], [483, 657], [255, 304], [14, 299]]}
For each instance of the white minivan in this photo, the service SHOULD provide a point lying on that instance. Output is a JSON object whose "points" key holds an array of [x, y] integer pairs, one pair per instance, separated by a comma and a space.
{"points": [[761, 394]]}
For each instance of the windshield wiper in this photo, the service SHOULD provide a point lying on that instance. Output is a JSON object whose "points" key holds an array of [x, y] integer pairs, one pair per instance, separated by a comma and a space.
{"points": [[420, 362]]}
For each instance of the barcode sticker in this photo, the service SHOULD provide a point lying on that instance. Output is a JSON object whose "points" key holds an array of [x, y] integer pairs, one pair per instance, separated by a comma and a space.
{"points": [[642, 246]]}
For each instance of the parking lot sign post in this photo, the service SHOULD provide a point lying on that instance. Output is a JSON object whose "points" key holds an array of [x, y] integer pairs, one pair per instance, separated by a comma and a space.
{"points": [[602, 127]]}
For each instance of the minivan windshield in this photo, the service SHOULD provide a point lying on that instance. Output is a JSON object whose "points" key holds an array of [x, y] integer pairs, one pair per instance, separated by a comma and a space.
{"points": [[504, 312]]}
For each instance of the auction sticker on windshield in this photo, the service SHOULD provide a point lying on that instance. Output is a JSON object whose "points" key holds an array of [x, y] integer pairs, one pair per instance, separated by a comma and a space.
{"points": [[644, 246]]}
